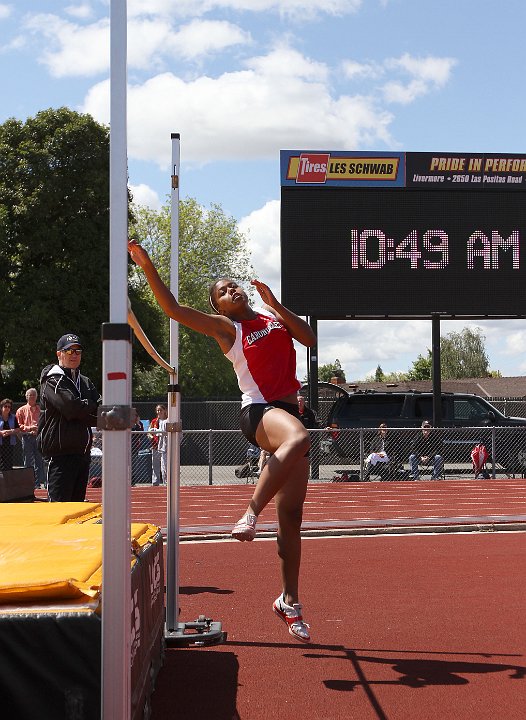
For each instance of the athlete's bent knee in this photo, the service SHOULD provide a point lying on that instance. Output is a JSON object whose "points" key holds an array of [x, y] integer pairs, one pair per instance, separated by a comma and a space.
{"points": [[302, 443]]}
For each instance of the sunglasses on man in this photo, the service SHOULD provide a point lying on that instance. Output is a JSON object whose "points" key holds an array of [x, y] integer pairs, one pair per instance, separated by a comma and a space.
{"points": [[72, 351]]}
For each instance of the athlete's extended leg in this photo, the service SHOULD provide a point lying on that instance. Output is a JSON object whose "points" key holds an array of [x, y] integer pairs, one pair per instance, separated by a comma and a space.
{"points": [[283, 478], [289, 506], [284, 436]]}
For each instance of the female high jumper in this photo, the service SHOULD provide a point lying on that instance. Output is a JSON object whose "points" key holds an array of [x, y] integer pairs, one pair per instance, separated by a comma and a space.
{"points": [[258, 342]]}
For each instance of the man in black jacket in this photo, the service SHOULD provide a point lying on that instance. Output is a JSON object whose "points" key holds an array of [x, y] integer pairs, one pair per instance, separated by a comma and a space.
{"points": [[425, 450], [69, 410], [307, 415]]}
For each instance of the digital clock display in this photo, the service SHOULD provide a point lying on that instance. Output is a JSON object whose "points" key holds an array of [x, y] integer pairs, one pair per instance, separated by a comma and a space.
{"points": [[456, 248], [371, 249]]}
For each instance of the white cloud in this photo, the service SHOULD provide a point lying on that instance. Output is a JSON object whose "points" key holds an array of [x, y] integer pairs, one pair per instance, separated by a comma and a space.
{"points": [[146, 38], [289, 63], [5, 11], [362, 345], [75, 50], [144, 195], [302, 9], [395, 344], [152, 41], [81, 51], [515, 343], [261, 228], [355, 70], [426, 74], [434, 70], [82, 11], [16, 43], [244, 114], [396, 92], [201, 37]]}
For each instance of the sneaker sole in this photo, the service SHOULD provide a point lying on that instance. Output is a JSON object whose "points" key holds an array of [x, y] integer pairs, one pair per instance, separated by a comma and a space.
{"points": [[243, 531], [246, 535], [242, 537], [289, 627]]}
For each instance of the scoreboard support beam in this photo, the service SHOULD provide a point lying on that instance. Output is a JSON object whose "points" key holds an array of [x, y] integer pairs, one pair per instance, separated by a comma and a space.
{"points": [[312, 374], [436, 373], [312, 367]]}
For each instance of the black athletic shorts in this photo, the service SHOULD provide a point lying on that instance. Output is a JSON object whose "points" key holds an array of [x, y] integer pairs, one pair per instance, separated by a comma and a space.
{"points": [[251, 416]]}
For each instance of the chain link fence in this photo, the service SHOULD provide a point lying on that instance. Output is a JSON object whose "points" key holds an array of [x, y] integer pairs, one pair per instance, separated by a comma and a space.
{"points": [[212, 456], [223, 457], [510, 407]]}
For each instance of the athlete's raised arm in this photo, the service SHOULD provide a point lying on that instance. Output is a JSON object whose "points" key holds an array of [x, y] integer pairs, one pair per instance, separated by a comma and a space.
{"points": [[216, 326], [297, 327]]}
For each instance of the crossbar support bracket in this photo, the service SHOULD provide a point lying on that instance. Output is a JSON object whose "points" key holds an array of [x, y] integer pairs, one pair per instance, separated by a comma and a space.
{"points": [[114, 417]]}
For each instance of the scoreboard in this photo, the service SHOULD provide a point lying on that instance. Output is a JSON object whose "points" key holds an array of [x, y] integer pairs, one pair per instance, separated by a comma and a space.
{"points": [[403, 235]]}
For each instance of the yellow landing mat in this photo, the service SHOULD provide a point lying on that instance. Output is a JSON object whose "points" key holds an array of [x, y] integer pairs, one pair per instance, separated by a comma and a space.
{"points": [[47, 562], [46, 513]]}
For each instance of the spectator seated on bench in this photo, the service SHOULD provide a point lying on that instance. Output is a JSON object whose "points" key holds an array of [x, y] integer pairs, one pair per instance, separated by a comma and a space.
{"points": [[381, 459], [425, 453]]}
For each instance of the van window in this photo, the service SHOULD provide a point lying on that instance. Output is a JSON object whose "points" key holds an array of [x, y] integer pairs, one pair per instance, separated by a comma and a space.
{"points": [[383, 407], [424, 408], [469, 410]]}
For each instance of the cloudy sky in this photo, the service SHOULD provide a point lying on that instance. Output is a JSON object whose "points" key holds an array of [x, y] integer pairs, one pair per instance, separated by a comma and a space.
{"points": [[242, 79]]}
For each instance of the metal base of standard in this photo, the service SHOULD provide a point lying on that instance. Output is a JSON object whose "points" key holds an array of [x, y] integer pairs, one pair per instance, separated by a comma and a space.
{"points": [[199, 633]]}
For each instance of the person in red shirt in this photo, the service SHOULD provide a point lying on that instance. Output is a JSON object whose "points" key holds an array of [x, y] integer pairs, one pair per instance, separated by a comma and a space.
{"points": [[28, 416], [259, 343], [161, 413]]}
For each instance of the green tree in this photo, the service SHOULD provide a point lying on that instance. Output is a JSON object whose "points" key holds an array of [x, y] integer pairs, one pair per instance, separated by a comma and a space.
{"points": [[463, 354], [379, 375], [326, 372], [54, 218], [210, 246], [421, 368], [395, 376]]}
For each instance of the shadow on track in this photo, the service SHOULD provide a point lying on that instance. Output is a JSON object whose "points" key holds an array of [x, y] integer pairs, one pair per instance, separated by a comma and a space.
{"points": [[196, 590], [194, 685]]}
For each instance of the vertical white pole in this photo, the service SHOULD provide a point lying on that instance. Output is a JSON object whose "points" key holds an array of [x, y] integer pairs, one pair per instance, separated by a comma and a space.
{"points": [[174, 413], [116, 356]]}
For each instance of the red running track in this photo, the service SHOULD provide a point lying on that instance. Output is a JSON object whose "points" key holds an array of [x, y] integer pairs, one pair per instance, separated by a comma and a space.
{"points": [[405, 627], [212, 510], [408, 627]]}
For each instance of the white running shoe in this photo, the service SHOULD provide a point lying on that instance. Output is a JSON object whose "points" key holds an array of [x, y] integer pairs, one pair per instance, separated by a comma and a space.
{"points": [[245, 529], [291, 614]]}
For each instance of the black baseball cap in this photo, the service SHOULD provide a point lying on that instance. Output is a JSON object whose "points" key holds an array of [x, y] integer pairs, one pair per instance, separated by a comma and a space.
{"points": [[67, 341]]}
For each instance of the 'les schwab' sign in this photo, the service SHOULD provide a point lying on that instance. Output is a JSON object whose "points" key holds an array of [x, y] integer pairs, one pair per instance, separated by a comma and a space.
{"points": [[317, 168]]}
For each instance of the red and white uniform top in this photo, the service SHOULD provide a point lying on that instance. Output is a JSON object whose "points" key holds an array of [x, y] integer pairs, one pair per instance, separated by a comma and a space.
{"points": [[264, 359]]}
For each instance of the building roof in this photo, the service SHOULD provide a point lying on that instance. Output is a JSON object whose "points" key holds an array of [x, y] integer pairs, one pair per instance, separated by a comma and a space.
{"points": [[489, 387]]}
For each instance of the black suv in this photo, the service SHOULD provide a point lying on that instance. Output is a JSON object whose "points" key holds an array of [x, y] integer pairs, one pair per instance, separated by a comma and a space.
{"points": [[368, 408]]}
